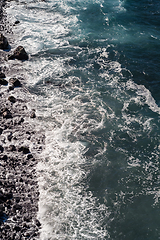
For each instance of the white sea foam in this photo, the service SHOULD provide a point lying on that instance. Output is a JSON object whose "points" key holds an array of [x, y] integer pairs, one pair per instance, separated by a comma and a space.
{"points": [[69, 107], [64, 208]]}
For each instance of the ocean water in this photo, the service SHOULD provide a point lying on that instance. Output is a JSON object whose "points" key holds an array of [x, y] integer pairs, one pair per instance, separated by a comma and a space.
{"points": [[94, 74]]}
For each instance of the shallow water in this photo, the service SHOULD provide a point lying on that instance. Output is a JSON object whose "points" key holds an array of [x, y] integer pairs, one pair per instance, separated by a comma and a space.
{"points": [[94, 71]]}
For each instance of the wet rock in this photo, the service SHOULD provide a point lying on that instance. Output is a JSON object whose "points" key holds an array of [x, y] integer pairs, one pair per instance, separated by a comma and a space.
{"points": [[6, 113], [17, 207], [27, 218], [15, 82], [37, 222], [2, 75], [9, 195], [3, 42], [9, 137], [7, 227], [12, 99], [18, 120], [21, 120], [24, 149], [11, 88], [2, 198], [17, 199], [17, 164], [29, 156], [12, 148], [33, 115], [17, 228], [19, 53], [1, 130], [1, 149], [4, 157], [3, 82], [1, 209], [17, 22], [3, 110]]}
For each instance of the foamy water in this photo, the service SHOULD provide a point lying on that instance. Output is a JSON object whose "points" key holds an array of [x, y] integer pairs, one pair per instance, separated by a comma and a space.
{"points": [[99, 169]]}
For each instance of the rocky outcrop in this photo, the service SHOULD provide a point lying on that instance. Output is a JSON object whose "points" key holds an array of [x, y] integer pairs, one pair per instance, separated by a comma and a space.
{"points": [[19, 192], [3, 42], [19, 145], [12, 99], [15, 82], [6, 113], [16, 22], [3, 82], [19, 53], [2, 75]]}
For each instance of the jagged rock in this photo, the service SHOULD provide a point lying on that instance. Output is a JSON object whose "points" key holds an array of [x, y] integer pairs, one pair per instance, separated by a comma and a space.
{"points": [[19, 53], [3, 81], [2, 75], [9, 195], [3, 110], [9, 137], [5, 196], [4, 157], [6, 113], [17, 207], [11, 88], [18, 121], [29, 156], [37, 222], [17, 228], [23, 149], [2, 199], [3, 42], [12, 148], [1, 148], [1, 130], [33, 115], [27, 218], [17, 22], [15, 82], [1, 211], [12, 99]]}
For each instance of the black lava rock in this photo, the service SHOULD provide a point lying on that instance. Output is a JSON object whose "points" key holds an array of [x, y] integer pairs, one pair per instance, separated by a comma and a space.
{"points": [[17, 22], [37, 222], [1, 130], [23, 149], [3, 42], [6, 113], [2, 75], [1, 148], [33, 115], [15, 82], [12, 148], [3, 82], [12, 99], [19, 53], [17, 207]]}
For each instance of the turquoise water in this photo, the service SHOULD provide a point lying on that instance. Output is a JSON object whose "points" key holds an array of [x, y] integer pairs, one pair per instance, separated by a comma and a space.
{"points": [[94, 72]]}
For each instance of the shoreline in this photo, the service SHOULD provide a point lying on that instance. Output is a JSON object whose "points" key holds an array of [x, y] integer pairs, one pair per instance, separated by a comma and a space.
{"points": [[19, 191]]}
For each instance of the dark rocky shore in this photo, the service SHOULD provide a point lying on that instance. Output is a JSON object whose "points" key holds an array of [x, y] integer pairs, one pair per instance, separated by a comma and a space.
{"points": [[19, 143]]}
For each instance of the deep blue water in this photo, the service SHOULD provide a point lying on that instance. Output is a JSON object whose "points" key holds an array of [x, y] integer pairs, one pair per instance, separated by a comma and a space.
{"points": [[94, 72]]}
